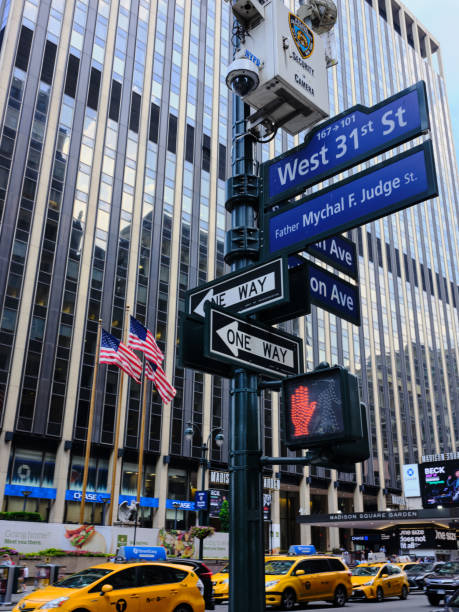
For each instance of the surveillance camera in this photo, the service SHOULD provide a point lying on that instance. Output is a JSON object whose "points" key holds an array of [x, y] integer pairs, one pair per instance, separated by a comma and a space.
{"points": [[248, 12], [242, 77]]}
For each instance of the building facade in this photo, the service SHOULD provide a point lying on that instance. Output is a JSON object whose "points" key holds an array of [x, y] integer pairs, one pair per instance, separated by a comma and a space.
{"points": [[115, 148]]}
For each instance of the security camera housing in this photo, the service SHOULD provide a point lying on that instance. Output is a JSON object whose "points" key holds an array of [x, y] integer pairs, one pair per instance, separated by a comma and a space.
{"points": [[248, 12], [242, 76], [290, 60]]}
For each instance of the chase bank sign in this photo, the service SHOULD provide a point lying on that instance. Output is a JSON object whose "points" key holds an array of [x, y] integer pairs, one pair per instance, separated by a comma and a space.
{"points": [[411, 480]]}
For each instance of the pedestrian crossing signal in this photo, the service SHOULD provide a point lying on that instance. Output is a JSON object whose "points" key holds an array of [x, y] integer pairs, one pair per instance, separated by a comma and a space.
{"points": [[321, 407]]}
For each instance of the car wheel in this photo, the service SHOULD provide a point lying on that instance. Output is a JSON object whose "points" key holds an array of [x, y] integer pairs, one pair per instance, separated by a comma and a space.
{"points": [[183, 608], [379, 595], [340, 597], [434, 600], [404, 593], [288, 599]]}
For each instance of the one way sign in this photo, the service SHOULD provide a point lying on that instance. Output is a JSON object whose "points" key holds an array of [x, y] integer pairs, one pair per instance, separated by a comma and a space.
{"points": [[234, 339], [251, 289]]}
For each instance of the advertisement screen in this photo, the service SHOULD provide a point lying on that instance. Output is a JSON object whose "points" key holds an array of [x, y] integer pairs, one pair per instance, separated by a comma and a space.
{"points": [[439, 483]]}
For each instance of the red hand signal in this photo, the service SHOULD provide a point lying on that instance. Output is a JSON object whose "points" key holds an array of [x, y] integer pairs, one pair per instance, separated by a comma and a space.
{"points": [[302, 411]]}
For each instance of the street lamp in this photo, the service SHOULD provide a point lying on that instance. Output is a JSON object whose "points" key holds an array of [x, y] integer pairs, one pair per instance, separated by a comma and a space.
{"points": [[26, 494], [176, 505], [219, 439]]}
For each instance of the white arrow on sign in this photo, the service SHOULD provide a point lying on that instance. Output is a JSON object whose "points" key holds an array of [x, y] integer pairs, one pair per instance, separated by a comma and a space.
{"points": [[237, 340], [235, 295]]}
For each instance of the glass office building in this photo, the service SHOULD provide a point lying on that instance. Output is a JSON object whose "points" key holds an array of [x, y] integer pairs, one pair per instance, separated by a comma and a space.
{"points": [[115, 146]]}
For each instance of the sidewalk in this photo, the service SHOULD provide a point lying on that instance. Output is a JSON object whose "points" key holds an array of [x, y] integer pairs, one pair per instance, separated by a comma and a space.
{"points": [[16, 598]]}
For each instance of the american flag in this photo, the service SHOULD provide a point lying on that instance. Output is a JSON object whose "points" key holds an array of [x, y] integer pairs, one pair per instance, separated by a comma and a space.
{"points": [[155, 373], [142, 339], [114, 351]]}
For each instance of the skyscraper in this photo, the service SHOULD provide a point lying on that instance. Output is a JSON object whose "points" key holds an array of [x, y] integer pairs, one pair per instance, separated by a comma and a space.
{"points": [[114, 151]]}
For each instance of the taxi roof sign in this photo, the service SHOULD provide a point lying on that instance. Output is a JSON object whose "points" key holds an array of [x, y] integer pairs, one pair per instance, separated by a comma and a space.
{"points": [[302, 549], [143, 553]]}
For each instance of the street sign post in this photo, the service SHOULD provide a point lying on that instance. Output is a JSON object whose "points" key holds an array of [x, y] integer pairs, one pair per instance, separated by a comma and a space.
{"points": [[403, 180], [333, 294], [247, 344], [339, 252], [350, 138], [257, 287]]}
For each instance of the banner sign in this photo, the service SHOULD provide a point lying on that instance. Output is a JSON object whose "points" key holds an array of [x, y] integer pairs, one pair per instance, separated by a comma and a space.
{"points": [[350, 138], [339, 252], [177, 504], [201, 500], [410, 475], [402, 181], [145, 502], [91, 496], [430, 538], [328, 291], [34, 492]]}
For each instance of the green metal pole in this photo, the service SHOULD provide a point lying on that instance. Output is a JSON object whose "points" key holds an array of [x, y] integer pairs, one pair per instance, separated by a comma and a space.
{"points": [[246, 577]]}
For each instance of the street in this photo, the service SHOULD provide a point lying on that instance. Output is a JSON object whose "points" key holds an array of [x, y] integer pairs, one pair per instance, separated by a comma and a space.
{"points": [[416, 601]]}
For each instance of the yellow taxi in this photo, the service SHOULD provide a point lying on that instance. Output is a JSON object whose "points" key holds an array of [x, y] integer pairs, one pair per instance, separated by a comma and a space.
{"points": [[290, 580], [220, 582], [379, 580], [130, 587]]}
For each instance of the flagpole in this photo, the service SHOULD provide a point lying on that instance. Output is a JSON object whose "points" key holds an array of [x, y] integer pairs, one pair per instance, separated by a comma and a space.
{"points": [[117, 427], [90, 422], [141, 443]]}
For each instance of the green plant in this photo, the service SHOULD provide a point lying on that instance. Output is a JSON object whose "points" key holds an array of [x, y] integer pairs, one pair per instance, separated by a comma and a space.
{"points": [[5, 550], [58, 552], [21, 516], [201, 532], [224, 516]]}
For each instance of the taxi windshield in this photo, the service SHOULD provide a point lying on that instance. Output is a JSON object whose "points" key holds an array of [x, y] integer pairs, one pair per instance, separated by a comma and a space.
{"points": [[276, 568], [83, 579], [365, 571]]}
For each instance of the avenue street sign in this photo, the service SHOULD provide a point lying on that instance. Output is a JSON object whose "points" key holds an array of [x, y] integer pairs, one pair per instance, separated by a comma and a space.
{"points": [[298, 304], [241, 342], [245, 291], [399, 182], [347, 139], [339, 252], [333, 294]]}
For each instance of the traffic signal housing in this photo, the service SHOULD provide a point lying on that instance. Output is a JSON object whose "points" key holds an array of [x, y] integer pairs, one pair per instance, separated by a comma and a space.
{"points": [[321, 408], [343, 456]]}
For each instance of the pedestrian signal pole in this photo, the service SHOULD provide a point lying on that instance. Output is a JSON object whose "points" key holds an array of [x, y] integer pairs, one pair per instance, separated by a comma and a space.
{"points": [[246, 586]]}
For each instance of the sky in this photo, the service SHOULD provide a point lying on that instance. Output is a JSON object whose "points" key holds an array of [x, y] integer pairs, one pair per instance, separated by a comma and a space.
{"points": [[441, 19]]}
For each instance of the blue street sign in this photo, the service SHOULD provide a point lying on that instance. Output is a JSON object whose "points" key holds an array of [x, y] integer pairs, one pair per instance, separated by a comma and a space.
{"points": [[201, 500], [404, 180], [344, 141], [333, 294], [338, 252]]}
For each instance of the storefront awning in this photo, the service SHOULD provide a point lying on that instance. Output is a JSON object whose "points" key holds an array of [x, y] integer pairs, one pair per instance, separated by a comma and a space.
{"points": [[381, 519]]}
